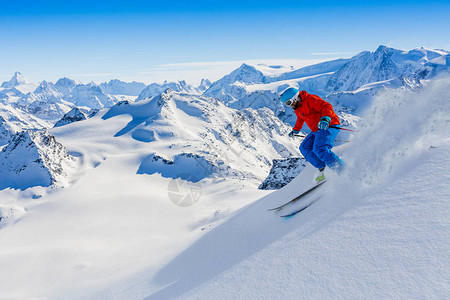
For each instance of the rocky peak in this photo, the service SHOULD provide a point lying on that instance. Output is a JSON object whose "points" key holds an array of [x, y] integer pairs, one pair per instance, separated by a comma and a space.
{"points": [[247, 74], [74, 115], [16, 80], [65, 85], [230, 87], [205, 82], [46, 87], [368, 67], [204, 85]]}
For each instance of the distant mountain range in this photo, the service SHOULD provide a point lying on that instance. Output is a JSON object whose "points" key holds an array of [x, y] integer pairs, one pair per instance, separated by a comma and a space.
{"points": [[43, 105], [346, 82]]}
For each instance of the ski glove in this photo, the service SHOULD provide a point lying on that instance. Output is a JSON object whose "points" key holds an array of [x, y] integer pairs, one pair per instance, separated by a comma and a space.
{"points": [[324, 123], [293, 132]]}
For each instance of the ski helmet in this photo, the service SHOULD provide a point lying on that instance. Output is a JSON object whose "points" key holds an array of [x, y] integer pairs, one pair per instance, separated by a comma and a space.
{"points": [[288, 95]]}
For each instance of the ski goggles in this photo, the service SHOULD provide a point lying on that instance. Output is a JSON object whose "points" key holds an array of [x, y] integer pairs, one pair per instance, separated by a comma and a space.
{"points": [[289, 102]]}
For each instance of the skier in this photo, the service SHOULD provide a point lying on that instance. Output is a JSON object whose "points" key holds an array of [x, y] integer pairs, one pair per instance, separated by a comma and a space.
{"points": [[324, 124]]}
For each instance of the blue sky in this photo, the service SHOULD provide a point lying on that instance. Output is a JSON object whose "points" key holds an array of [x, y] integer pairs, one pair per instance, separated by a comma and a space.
{"points": [[153, 42]]}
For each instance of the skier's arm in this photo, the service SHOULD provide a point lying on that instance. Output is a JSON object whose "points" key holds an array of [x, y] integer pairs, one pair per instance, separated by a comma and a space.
{"points": [[299, 124]]}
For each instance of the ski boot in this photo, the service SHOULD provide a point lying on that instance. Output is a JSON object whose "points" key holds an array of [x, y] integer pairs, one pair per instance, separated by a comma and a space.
{"points": [[321, 176]]}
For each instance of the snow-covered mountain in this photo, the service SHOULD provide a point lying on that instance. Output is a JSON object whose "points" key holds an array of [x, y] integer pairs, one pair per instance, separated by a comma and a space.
{"points": [[91, 96], [34, 158], [242, 82], [45, 102], [11, 93], [17, 83], [383, 64], [118, 87], [13, 120], [65, 86], [232, 86], [16, 80], [204, 85], [50, 101], [433, 68], [74, 115], [316, 69], [220, 141], [155, 89]]}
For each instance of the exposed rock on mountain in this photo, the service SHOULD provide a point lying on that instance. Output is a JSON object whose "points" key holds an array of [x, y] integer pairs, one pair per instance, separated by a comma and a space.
{"points": [[5, 132], [186, 166], [75, 115], [34, 158], [204, 85], [282, 172]]}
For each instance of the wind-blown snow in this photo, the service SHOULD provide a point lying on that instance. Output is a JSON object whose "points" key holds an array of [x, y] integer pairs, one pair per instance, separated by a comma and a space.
{"points": [[401, 125]]}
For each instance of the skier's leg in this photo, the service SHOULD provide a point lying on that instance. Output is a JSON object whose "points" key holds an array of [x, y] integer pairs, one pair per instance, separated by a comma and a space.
{"points": [[323, 143], [306, 148]]}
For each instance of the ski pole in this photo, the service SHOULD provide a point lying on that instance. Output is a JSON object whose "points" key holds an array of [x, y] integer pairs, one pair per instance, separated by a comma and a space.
{"points": [[336, 127], [342, 141]]}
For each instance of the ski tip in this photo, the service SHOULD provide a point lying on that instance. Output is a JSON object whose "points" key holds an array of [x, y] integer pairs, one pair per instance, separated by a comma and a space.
{"points": [[272, 209], [287, 216], [297, 211]]}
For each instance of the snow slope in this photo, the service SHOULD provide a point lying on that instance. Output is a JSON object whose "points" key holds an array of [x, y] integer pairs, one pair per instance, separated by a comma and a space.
{"points": [[392, 244]]}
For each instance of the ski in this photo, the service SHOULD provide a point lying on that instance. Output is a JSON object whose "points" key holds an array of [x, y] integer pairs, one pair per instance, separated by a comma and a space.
{"points": [[299, 196], [299, 210]]}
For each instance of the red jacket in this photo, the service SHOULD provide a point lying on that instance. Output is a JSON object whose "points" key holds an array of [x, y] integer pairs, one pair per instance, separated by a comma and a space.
{"points": [[311, 109]]}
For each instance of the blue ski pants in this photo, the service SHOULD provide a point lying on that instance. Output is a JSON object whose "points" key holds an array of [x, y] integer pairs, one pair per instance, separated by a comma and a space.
{"points": [[316, 148]]}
